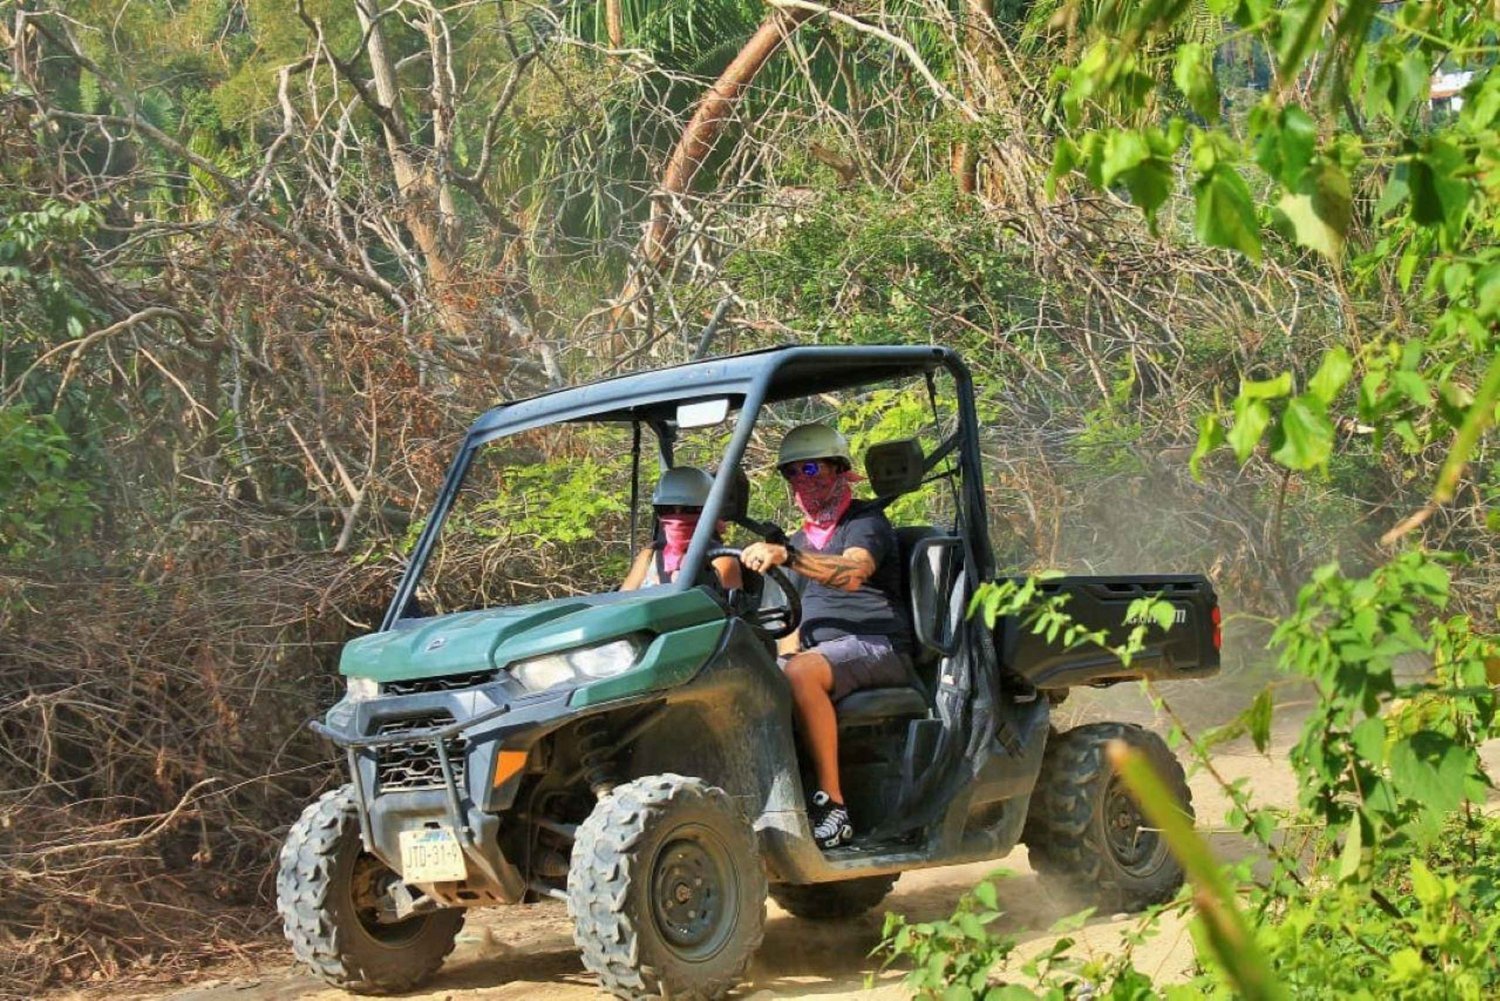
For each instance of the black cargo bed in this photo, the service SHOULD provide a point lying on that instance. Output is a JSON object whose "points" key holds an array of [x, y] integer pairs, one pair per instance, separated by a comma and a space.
{"points": [[1189, 649]]}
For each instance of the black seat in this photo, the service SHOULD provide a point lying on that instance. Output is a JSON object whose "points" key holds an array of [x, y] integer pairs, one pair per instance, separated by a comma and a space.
{"points": [[928, 574], [894, 468], [870, 705]]}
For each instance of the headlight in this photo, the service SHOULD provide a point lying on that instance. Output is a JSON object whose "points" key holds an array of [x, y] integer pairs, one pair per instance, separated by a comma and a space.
{"points": [[363, 689], [583, 664]]}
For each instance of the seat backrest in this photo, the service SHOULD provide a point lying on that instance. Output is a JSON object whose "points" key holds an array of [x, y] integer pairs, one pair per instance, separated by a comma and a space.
{"points": [[907, 537], [929, 569], [931, 563]]}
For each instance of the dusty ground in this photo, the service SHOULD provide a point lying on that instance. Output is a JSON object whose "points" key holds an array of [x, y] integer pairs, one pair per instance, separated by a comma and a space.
{"points": [[527, 952]]}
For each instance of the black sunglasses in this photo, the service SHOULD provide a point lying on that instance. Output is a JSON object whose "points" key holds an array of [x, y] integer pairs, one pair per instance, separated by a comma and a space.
{"points": [[677, 509], [809, 468]]}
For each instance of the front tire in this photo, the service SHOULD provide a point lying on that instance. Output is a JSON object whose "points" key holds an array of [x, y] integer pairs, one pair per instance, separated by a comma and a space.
{"points": [[666, 890], [848, 898], [1084, 828], [326, 887]]}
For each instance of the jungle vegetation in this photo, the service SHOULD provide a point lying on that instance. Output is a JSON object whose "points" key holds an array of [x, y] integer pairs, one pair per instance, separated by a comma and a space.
{"points": [[1226, 270]]}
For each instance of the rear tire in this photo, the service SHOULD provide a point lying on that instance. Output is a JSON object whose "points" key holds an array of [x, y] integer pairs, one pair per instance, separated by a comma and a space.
{"points": [[1084, 829], [666, 890], [325, 888], [848, 898]]}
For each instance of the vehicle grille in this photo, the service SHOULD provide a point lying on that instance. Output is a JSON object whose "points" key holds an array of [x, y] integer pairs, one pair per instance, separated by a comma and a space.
{"points": [[416, 765], [452, 682]]}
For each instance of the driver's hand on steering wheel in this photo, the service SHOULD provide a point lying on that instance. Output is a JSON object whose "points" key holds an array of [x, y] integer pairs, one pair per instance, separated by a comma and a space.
{"points": [[761, 556]]}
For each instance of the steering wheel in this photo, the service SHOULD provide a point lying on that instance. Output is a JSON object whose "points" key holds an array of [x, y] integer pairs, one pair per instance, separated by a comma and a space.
{"points": [[778, 620]]}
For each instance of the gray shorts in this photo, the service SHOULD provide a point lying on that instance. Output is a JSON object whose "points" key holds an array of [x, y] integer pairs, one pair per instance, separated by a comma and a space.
{"points": [[863, 662]]}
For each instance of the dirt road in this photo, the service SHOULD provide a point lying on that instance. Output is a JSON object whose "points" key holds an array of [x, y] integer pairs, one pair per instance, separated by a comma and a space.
{"points": [[527, 952]]}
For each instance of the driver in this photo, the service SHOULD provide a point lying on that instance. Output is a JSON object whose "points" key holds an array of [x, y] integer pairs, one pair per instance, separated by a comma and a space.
{"points": [[679, 498], [855, 631]]}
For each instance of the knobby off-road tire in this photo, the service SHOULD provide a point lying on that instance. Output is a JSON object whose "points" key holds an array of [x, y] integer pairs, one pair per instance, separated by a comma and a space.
{"points": [[666, 890], [847, 898], [324, 894], [1084, 829]]}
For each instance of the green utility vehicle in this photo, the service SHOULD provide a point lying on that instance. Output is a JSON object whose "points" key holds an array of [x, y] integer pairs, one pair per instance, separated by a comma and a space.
{"points": [[634, 754]]}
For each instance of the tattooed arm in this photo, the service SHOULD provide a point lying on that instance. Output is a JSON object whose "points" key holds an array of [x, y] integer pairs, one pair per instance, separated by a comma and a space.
{"points": [[846, 571]]}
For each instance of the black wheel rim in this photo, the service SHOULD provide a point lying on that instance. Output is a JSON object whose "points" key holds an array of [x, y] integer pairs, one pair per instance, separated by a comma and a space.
{"points": [[694, 895], [1135, 847], [368, 881]]}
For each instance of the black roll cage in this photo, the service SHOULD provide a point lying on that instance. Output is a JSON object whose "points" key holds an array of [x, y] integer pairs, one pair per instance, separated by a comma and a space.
{"points": [[748, 381]]}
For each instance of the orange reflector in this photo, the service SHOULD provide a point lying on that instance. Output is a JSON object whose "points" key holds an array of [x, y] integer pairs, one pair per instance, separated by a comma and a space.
{"points": [[507, 765]]}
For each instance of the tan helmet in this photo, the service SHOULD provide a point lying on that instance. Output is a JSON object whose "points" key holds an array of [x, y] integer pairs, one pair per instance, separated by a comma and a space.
{"points": [[683, 486], [813, 441]]}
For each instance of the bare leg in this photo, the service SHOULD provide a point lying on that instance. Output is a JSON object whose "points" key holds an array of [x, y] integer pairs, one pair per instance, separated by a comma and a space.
{"points": [[812, 680]]}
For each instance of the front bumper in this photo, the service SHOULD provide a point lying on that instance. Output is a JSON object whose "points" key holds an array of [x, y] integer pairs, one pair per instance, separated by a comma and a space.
{"points": [[419, 759]]}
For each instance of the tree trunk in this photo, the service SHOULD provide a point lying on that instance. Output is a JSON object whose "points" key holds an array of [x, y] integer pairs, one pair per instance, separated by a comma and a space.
{"points": [[965, 158], [698, 139], [612, 25], [426, 204]]}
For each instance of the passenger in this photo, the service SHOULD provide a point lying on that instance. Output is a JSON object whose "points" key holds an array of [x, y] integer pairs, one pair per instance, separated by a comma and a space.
{"points": [[678, 500], [855, 630]]}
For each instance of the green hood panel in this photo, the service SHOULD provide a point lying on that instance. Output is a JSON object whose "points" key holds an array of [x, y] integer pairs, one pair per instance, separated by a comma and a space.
{"points": [[494, 637]]}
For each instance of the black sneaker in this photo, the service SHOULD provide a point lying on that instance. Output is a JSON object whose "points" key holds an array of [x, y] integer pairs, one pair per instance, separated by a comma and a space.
{"points": [[830, 821]]}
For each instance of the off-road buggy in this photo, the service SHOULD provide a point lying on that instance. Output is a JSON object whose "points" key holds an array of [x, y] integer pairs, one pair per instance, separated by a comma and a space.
{"points": [[634, 753]]}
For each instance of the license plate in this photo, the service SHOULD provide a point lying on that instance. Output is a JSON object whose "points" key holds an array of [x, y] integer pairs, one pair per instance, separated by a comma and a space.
{"points": [[431, 855]]}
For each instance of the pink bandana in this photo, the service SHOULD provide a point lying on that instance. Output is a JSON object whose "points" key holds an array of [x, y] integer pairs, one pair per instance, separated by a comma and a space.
{"points": [[678, 528], [823, 505]]}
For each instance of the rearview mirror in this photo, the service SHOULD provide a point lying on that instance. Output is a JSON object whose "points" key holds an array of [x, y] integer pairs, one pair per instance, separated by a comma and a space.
{"points": [[702, 414]]}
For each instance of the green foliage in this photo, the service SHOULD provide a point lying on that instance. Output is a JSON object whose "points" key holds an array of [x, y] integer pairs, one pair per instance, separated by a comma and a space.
{"points": [[1400, 896], [46, 501], [870, 267], [1439, 209], [31, 243], [1397, 770]]}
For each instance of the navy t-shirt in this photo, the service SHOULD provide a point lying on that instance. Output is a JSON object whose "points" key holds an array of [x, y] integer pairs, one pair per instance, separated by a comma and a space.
{"points": [[877, 608]]}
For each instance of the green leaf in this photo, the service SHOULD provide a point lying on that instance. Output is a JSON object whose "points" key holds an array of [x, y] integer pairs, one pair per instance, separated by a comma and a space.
{"points": [[1410, 82], [1149, 185], [1368, 740], [1349, 858], [1267, 389], [1210, 437], [1194, 76], [1258, 720], [1427, 887], [1065, 157], [1286, 145], [1413, 387], [1487, 292], [1430, 767], [1302, 21], [1320, 210], [1480, 415], [1395, 193], [1250, 420], [1332, 374], [1123, 150], [986, 895], [1438, 194], [1129, 158], [1305, 433], [1226, 214]]}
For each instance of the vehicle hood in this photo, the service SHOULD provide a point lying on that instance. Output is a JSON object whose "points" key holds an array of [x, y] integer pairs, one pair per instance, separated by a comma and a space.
{"points": [[494, 637]]}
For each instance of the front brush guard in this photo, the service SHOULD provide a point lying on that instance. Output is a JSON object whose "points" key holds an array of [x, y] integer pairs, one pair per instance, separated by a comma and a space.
{"points": [[504, 876]]}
